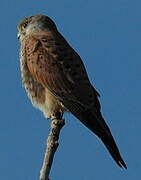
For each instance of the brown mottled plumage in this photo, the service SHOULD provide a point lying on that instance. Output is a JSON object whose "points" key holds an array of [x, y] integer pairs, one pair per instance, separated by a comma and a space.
{"points": [[56, 80]]}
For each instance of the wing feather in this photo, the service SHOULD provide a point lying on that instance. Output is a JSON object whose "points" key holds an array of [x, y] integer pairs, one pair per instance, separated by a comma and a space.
{"points": [[60, 69]]}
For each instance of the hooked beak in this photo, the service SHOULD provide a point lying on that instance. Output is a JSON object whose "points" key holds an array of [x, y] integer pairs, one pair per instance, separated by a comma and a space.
{"points": [[18, 35]]}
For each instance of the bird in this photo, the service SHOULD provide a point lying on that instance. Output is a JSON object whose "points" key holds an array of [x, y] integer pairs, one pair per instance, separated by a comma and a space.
{"points": [[56, 81]]}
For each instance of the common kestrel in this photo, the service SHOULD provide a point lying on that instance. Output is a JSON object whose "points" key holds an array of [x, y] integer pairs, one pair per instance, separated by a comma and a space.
{"points": [[56, 80]]}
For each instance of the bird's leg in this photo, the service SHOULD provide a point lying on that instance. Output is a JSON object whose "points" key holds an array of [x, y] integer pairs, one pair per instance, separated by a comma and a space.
{"points": [[52, 143]]}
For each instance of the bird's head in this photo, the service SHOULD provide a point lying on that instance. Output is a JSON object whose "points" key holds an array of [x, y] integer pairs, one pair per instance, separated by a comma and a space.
{"points": [[33, 24]]}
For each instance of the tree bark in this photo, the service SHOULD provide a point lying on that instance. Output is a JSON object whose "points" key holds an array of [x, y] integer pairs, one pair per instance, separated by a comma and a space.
{"points": [[52, 145]]}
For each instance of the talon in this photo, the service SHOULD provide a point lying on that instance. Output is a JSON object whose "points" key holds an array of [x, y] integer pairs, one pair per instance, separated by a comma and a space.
{"points": [[57, 115]]}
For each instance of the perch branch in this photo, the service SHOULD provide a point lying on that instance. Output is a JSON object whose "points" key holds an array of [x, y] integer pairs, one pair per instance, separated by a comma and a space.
{"points": [[52, 145]]}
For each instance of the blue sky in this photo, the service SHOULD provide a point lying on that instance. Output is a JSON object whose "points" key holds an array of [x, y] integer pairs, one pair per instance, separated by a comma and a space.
{"points": [[107, 35]]}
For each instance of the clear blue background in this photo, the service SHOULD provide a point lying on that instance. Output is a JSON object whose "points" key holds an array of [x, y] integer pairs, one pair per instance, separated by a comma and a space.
{"points": [[107, 35]]}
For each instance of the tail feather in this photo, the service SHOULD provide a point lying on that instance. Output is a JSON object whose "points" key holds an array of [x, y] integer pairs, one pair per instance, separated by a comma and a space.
{"points": [[95, 122], [97, 125]]}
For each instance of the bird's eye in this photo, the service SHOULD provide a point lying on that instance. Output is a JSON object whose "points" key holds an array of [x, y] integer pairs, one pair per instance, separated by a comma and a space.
{"points": [[24, 25]]}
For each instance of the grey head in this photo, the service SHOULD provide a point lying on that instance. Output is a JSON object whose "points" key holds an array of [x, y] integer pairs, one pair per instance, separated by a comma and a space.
{"points": [[35, 23]]}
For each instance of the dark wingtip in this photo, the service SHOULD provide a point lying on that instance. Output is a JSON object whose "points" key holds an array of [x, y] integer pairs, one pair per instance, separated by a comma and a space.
{"points": [[114, 151], [119, 159], [98, 126], [122, 164]]}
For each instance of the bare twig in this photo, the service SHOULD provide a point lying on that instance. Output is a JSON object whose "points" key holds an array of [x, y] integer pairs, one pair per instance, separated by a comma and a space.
{"points": [[52, 144]]}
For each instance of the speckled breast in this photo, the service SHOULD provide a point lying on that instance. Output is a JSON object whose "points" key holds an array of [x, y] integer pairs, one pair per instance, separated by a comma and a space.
{"points": [[35, 91]]}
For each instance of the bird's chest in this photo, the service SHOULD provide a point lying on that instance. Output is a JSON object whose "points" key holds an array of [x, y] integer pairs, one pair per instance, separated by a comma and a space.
{"points": [[35, 91], [40, 96]]}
